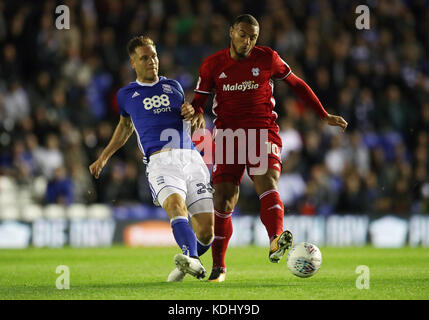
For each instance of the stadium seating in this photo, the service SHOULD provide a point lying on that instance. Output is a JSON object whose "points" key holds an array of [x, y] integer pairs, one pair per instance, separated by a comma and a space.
{"points": [[9, 212], [76, 211], [99, 211], [54, 211], [31, 212]]}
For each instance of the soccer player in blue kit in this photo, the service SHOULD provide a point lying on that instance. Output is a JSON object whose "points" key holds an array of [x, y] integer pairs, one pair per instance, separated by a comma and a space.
{"points": [[155, 108]]}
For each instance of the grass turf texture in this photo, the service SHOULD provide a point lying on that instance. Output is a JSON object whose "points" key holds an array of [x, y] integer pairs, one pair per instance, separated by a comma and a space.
{"points": [[140, 273]]}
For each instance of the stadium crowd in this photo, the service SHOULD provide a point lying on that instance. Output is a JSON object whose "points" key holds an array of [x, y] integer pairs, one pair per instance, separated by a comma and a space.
{"points": [[58, 97]]}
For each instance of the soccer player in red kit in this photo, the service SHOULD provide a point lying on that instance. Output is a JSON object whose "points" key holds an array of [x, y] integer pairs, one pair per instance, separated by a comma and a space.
{"points": [[241, 78]]}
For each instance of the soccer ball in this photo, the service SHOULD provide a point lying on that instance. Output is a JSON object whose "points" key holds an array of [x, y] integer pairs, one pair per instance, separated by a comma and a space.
{"points": [[304, 259]]}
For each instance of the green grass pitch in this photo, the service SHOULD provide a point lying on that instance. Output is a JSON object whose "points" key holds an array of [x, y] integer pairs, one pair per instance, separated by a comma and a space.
{"points": [[140, 273]]}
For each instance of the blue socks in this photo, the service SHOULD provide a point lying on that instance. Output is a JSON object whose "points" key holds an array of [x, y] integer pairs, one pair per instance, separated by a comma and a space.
{"points": [[202, 248], [186, 239], [185, 236]]}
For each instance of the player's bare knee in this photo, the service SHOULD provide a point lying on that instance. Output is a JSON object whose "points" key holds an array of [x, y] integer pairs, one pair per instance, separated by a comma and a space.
{"points": [[271, 181], [205, 234], [175, 207], [226, 199], [266, 182], [225, 203]]}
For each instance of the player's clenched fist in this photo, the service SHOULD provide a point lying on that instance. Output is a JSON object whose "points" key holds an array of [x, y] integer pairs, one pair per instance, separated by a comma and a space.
{"points": [[96, 167], [187, 111]]}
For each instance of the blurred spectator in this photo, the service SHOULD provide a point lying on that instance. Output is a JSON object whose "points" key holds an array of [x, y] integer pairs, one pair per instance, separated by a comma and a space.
{"points": [[364, 110], [291, 185], [351, 196], [313, 151], [32, 145], [10, 66], [320, 197], [357, 154], [371, 192], [16, 103], [335, 158], [40, 92], [393, 111], [83, 187], [122, 187], [402, 197], [291, 138], [60, 188], [51, 156]]}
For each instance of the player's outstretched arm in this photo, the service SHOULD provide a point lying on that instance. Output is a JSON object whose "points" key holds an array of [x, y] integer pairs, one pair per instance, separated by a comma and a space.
{"points": [[302, 90], [123, 131]]}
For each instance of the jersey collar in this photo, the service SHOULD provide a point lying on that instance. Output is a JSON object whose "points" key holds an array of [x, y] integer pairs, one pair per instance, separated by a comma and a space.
{"points": [[144, 84], [228, 54]]}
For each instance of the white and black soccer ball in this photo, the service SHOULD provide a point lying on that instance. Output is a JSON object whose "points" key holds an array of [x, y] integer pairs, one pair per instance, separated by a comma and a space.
{"points": [[304, 259]]}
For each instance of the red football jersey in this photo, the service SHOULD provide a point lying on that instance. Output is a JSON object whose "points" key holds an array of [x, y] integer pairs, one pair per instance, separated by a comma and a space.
{"points": [[243, 90]]}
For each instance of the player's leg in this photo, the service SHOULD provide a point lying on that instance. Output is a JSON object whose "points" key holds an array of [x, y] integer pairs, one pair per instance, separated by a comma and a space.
{"points": [[203, 225], [187, 262], [199, 201], [175, 207], [272, 213], [271, 208], [226, 181], [169, 191], [225, 198]]}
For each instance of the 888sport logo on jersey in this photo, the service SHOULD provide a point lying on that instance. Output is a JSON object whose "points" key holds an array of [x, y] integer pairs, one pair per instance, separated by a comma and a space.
{"points": [[157, 103]]}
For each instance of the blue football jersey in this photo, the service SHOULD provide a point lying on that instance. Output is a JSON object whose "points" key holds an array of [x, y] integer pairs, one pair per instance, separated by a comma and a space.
{"points": [[154, 109]]}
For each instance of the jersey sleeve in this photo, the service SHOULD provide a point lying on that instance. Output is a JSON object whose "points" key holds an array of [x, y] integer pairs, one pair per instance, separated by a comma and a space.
{"points": [[302, 90], [205, 82], [179, 87], [121, 103], [199, 102], [280, 70]]}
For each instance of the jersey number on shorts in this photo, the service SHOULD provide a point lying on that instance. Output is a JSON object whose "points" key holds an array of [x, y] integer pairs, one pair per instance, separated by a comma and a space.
{"points": [[272, 148], [204, 188]]}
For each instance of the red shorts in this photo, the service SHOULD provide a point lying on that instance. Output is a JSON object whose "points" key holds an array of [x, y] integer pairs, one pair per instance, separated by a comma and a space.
{"points": [[247, 155]]}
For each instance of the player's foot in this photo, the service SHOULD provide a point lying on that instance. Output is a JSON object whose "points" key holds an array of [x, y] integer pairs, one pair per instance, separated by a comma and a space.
{"points": [[176, 275], [190, 265], [217, 275], [279, 246]]}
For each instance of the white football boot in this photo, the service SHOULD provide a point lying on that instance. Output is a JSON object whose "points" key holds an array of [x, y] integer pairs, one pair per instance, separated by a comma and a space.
{"points": [[190, 265]]}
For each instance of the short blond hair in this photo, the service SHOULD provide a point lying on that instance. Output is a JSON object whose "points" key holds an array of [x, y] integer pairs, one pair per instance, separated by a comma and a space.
{"points": [[140, 41]]}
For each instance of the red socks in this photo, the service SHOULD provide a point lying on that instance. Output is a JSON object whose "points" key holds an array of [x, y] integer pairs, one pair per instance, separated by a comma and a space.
{"points": [[222, 234], [272, 212]]}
